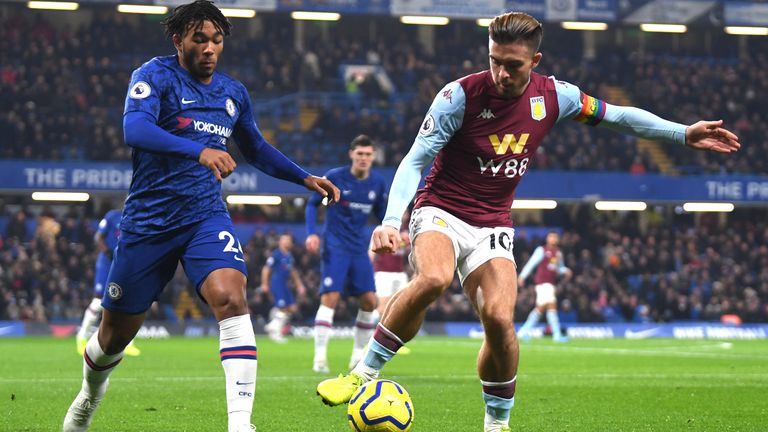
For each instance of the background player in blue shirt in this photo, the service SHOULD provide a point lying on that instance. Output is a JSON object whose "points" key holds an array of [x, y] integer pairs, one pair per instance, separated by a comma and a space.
{"points": [[178, 115], [275, 275], [345, 262], [106, 240]]}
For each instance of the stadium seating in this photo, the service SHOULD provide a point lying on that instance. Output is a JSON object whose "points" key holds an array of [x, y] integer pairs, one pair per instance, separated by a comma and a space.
{"points": [[666, 268], [62, 91]]}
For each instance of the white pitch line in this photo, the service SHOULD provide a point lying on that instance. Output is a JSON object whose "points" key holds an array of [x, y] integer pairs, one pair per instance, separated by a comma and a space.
{"points": [[535, 376], [656, 352]]}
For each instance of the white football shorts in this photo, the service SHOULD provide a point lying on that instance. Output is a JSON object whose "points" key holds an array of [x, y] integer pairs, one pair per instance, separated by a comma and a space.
{"points": [[472, 246], [545, 293], [388, 283]]}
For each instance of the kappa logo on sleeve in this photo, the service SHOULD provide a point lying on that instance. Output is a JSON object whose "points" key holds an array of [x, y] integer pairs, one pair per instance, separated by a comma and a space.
{"points": [[140, 90]]}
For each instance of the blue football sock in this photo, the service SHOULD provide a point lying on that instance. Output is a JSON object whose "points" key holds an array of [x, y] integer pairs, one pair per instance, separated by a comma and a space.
{"points": [[533, 319], [554, 322]]}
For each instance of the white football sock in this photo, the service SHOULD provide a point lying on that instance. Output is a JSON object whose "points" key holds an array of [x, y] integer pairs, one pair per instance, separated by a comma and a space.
{"points": [[97, 366], [323, 325], [91, 319], [364, 325], [237, 348]]}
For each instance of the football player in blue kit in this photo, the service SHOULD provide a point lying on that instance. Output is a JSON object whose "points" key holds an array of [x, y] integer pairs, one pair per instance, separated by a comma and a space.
{"points": [[345, 261], [179, 113], [275, 276], [106, 240]]}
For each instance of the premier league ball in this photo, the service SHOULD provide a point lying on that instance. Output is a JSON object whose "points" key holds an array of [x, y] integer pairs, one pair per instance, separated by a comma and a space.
{"points": [[380, 406]]}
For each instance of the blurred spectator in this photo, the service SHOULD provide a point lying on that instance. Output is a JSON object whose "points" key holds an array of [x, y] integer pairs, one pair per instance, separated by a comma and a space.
{"points": [[17, 226]]}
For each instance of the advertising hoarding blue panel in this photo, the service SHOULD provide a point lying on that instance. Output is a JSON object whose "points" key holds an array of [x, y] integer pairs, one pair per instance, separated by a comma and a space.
{"points": [[573, 186]]}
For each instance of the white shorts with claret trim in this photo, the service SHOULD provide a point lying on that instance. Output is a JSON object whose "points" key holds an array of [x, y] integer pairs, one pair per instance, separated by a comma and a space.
{"points": [[472, 246], [545, 293]]}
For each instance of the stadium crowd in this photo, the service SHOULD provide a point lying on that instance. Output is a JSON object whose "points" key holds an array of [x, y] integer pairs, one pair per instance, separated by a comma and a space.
{"points": [[62, 89], [627, 268]]}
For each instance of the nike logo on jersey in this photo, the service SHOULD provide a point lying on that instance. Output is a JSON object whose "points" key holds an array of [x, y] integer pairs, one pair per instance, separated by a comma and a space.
{"points": [[346, 192], [243, 383], [185, 102]]}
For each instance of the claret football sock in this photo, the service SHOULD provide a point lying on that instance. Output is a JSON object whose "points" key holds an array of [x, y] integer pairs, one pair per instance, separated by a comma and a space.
{"points": [[383, 347], [237, 347]]}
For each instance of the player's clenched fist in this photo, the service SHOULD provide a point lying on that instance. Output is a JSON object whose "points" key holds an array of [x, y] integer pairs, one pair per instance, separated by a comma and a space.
{"points": [[218, 161], [312, 243], [385, 239]]}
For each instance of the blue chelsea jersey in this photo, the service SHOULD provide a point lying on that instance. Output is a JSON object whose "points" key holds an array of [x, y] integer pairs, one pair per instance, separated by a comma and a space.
{"points": [[282, 264], [345, 222], [109, 228], [169, 192]]}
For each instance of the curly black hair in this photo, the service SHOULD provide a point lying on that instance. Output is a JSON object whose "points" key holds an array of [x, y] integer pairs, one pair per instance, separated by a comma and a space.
{"points": [[191, 16]]}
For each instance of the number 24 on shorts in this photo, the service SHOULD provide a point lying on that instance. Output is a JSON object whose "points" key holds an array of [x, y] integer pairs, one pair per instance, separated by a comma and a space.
{"points": [[230, 247]]}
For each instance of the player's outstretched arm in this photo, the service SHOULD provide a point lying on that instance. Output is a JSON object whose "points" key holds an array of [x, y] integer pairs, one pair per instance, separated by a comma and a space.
{"points": [[709, 135], [259, 153], [703, 135]]}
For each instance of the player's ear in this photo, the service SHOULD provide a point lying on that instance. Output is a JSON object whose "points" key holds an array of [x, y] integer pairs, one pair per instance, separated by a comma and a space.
{"points": [[176, 41], [536, 59]]}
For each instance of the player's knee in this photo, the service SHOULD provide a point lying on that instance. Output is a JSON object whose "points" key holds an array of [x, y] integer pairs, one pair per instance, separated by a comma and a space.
{"points": [[433, 284], [497, 320], [368, 305], [228, 304]]}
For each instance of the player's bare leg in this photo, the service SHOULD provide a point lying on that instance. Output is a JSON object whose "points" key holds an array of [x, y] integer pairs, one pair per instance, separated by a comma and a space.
{"points": [[434, 263], [224, 290], [492, 289], [103, 352], [323, 326], [382, 308]]}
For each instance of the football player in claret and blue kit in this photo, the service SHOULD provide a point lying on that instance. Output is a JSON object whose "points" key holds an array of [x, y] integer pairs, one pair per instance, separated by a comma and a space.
{"points": [[179, 113], [481, 132]]}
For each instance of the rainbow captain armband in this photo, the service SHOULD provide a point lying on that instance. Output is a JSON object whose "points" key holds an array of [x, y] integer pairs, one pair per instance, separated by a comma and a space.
{"points": [[592, 110]]}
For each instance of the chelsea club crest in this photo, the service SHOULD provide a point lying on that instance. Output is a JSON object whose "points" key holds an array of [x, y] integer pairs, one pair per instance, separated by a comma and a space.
{"points": [[230, 107], [114, 291]]}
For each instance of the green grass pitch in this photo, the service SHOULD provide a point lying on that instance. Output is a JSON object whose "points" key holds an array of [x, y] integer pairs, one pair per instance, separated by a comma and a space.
{"points": [[584, 385]]}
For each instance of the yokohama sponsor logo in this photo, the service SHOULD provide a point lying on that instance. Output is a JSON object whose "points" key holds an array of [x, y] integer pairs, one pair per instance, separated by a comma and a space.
{"points": [[212, 128], [202, 126]]}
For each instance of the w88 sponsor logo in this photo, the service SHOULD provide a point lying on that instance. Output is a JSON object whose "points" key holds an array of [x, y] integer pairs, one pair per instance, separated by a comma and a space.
{"points": [[508, 168]]}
